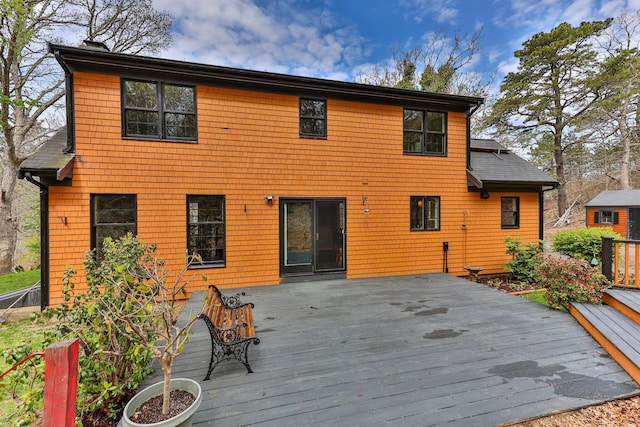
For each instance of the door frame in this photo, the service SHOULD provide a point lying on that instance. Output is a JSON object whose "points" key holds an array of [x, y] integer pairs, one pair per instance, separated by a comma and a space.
{"points": [[312, 269]]}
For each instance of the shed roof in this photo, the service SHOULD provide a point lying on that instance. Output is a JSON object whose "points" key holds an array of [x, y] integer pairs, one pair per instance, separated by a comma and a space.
{"points": [[616, 198], [494, 165]]}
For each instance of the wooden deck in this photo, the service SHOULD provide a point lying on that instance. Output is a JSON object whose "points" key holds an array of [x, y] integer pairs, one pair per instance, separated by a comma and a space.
{"points": [[412, 350]]}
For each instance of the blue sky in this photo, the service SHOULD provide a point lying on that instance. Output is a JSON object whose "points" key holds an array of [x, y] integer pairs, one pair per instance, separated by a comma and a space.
{"points": [[341, 39]]}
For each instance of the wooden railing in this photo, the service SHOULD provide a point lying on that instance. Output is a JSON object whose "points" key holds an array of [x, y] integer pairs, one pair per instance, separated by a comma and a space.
{"points": [[620, 260]]}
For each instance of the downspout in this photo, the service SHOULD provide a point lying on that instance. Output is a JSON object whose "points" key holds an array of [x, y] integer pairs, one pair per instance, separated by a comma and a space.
{"points": [[469, 114], [69, 101], [44, 240]]}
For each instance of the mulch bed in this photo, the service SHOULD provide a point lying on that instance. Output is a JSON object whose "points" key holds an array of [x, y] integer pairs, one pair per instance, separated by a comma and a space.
{"points": [[151, 411]]}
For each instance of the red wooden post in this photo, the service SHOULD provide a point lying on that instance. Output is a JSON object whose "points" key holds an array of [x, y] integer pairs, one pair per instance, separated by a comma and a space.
{"points": [[60, 384]]}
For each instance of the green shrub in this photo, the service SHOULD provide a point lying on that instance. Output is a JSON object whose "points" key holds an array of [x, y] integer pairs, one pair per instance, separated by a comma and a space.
{"points": [[111, 364], [521, 265], [569, 280], [584, 243]]}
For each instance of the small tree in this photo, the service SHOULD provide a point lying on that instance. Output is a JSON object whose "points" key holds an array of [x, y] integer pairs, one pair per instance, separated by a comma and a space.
{"points": [[127, 316], [522, 261], [151, 299]]}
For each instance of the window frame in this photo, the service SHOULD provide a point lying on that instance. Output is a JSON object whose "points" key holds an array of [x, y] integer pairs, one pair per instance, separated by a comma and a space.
{"points": [[424, 132], [303, 117], [160, 109], [95, 226], [422, 203], [222, 261], [515, 212], [611, 213]]}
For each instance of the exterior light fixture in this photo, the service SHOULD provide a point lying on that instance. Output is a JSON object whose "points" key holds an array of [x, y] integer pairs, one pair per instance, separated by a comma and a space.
{"points": [[484, 194], [269, 199]]}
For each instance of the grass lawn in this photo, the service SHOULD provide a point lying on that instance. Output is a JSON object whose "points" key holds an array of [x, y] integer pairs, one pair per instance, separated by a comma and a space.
{"points": [[23, 337], [23, 279], [538, 296]]}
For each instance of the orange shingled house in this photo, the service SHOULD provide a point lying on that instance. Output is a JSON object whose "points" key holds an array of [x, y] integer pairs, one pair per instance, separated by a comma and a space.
{"points": [[272, 177]]}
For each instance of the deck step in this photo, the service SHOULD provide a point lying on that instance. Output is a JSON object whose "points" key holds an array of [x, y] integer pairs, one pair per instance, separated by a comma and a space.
{"points": [[614, 331], [626, 301]]}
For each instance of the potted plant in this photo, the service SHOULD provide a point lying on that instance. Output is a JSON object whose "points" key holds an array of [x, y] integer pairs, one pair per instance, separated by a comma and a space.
{"points": [[151, 300]]}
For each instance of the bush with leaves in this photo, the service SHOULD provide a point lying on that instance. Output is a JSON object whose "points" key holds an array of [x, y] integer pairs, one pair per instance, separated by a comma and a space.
{"points": [[24, 386], [522, 262], [111, 364], [569, 280], [584, 243]]}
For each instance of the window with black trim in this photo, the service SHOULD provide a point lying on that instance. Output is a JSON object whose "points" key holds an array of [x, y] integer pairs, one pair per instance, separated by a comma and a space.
{"points": [[112, 215], [206, 229], [606, 216], [510, 207], [158, 110], [425, 213], [313, 118], [425, 132]]}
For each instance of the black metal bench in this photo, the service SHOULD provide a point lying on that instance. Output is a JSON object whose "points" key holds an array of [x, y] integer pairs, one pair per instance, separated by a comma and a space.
{"points": [[230, 324]]}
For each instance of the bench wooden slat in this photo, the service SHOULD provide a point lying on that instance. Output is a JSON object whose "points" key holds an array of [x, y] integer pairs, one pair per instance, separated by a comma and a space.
{"points": [[230, 324]]}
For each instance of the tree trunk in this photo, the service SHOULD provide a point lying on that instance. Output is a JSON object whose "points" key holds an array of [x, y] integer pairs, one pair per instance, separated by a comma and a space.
{"points": [[559, 160], [625, 136], [8, 221]]}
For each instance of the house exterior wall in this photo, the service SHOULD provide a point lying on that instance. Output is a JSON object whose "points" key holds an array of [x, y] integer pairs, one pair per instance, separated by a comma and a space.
{"points": [[249, 147], [621, 227]]}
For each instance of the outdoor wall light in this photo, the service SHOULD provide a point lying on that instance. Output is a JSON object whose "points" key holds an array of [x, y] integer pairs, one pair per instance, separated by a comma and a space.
{"points": [[484, 194], [269, 199]]}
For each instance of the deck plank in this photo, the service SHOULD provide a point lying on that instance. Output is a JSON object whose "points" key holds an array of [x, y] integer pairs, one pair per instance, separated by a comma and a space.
{"points": [[418, 350]]}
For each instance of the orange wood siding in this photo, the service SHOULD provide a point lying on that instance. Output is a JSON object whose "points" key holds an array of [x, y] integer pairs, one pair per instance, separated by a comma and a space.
{"points": [[620, 227], [249, 147]]}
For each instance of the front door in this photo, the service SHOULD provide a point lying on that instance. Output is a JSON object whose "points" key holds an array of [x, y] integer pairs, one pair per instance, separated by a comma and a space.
{"points": [[634, 223], [312, 236]]}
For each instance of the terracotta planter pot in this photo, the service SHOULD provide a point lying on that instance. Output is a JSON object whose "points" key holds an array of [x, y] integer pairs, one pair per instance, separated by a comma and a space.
{"points": [[181, 420]]}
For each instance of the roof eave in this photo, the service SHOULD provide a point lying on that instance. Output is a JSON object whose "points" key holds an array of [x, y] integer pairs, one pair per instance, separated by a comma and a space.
{"points": [[100, 61]]}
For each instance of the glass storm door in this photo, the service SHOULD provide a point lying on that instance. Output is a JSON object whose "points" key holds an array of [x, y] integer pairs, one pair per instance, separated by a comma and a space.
{"points": [[297, 233], [312, 239]]}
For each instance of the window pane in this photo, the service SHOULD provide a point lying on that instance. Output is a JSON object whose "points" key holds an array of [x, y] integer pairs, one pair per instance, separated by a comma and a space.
{"points": [[606, 217], [114, 215], [141, 95], [413, 142], [179, 98], [180, 125], [435, 122], [313, 108], [417, 213], [413, 120], [206, 228], [509, 215], [312, 127], [435, 143], [143, 123], [113, 209], [433, 213]]}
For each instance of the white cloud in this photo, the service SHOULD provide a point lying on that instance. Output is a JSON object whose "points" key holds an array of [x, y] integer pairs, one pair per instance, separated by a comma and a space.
{"points": [[275, 36], [578, 11], [506, 67], [442, 11]]}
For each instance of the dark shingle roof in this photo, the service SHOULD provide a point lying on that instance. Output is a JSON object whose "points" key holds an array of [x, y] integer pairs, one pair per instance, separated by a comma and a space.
{"points": [[50, 160], [492, 163], [616, 198]]}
